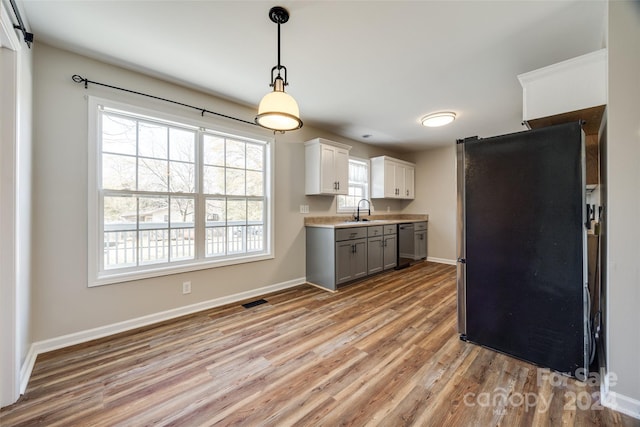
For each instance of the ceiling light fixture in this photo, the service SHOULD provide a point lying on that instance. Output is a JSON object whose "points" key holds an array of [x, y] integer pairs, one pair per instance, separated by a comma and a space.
{"points": [[278, 110], [438, 119]]}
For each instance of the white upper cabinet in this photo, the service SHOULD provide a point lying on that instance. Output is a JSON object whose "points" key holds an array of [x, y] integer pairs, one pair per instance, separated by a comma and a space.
{"points": [[392, 178], [571, 85], [410, 182], [326, 167]]}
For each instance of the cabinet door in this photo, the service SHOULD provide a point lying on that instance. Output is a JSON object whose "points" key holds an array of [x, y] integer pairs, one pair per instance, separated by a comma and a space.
{"points": [[344, 254], [390, 188], [392, 178], [341, 171], [328, 180], [400, 180], [374, 254], [390, 247], [359, 259], [409, 183], [420, 242]]}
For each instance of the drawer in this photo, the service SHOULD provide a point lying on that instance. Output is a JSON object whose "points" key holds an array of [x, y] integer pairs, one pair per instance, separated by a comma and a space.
{"points": [[350, 233], [374, 231], [391, 229], [420, 226]]}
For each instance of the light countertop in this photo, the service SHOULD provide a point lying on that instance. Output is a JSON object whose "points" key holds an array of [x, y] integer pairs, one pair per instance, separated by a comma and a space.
{"points": [[346, 221]]}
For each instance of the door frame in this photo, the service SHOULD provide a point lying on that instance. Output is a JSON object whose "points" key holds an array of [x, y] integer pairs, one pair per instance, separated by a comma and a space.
{"points": [[9, 358]]}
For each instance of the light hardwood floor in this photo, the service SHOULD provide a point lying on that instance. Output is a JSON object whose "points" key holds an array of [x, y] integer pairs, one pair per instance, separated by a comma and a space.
{"points": [[383, 351]]}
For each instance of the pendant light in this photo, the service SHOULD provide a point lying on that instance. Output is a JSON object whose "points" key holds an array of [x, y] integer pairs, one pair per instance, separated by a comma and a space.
{"points": [[278, 110]]}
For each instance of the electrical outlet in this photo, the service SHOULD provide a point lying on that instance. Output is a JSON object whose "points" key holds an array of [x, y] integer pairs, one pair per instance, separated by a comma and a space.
{"points": [[186, 287], [304, 209]]}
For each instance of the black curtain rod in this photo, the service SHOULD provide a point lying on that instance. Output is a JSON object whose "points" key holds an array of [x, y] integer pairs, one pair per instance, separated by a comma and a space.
{"points": [[28, 37], [79, 79]]}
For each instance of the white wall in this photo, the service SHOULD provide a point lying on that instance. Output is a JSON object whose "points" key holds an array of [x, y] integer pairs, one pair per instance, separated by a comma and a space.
{"points": [[61, 302], [436, 196], [623, 203]]}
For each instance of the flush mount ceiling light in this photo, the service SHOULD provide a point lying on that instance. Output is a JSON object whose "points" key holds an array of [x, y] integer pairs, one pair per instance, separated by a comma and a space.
{"points": [[438, 119], [278, 110]]}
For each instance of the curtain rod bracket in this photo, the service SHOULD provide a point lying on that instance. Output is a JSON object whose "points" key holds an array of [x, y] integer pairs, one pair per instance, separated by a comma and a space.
{"points": [[27, 36]]}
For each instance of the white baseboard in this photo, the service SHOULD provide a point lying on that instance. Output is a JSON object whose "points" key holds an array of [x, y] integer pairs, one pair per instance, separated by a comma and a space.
{"points": [[442, 260], [27, 367], [321, 287], [621, 403], [45, 346]]}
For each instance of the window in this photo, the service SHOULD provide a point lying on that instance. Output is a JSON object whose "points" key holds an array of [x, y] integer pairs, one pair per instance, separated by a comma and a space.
{"points": [[171, 196], [358, 185]]}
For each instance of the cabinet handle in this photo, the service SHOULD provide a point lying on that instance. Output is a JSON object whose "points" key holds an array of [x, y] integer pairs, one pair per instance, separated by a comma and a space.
{"points": [[407, 192], [353, 249], [338, 185]]}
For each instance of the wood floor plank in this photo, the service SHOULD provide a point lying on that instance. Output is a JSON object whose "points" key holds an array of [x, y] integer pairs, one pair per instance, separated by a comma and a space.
{"points": [[380, 352]]}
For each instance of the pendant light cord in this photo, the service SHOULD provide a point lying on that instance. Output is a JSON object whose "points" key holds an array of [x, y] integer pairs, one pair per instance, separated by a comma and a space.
{"points": [[79, 79], [279, 66]]}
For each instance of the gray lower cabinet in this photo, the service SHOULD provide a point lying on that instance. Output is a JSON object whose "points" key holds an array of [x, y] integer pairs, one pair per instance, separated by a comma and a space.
{"points": [[375, 254], [341, 255], [336, 256], [382, 248], [351, 260], [420, 240], [375, 250], [390, 247]]}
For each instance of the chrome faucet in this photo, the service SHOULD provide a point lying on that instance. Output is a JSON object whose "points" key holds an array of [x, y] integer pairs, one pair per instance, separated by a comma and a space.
{"points": [[358, 208]]}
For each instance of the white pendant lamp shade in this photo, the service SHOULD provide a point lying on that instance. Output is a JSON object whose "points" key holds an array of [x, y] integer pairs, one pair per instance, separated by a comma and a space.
{"points": [[278, 110]]}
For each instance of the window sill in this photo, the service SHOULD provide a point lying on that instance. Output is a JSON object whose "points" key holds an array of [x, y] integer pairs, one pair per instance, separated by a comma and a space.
{"points": [[110, 278]]}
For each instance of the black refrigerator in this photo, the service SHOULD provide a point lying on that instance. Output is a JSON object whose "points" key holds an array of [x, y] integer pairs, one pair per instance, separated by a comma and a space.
{"points": [[522, 280]]}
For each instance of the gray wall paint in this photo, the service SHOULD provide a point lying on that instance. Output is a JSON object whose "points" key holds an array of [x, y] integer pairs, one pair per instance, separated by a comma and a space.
{"points": [[623, 203], [61, 301], [436, 196]]}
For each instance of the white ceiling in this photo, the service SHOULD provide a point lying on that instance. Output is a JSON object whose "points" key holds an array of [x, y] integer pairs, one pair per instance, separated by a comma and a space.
{"points": [[355, 67]]}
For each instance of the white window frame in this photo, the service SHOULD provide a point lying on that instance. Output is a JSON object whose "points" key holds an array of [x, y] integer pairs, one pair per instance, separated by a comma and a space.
{"points": [[351, 209], [97, 276]]}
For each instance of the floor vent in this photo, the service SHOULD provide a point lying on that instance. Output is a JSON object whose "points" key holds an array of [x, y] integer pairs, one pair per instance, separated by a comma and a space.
{"points": [[254, 303]]}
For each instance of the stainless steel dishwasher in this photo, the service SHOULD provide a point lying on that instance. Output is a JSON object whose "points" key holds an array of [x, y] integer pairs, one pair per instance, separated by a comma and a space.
{"points": [[406, 245]]}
